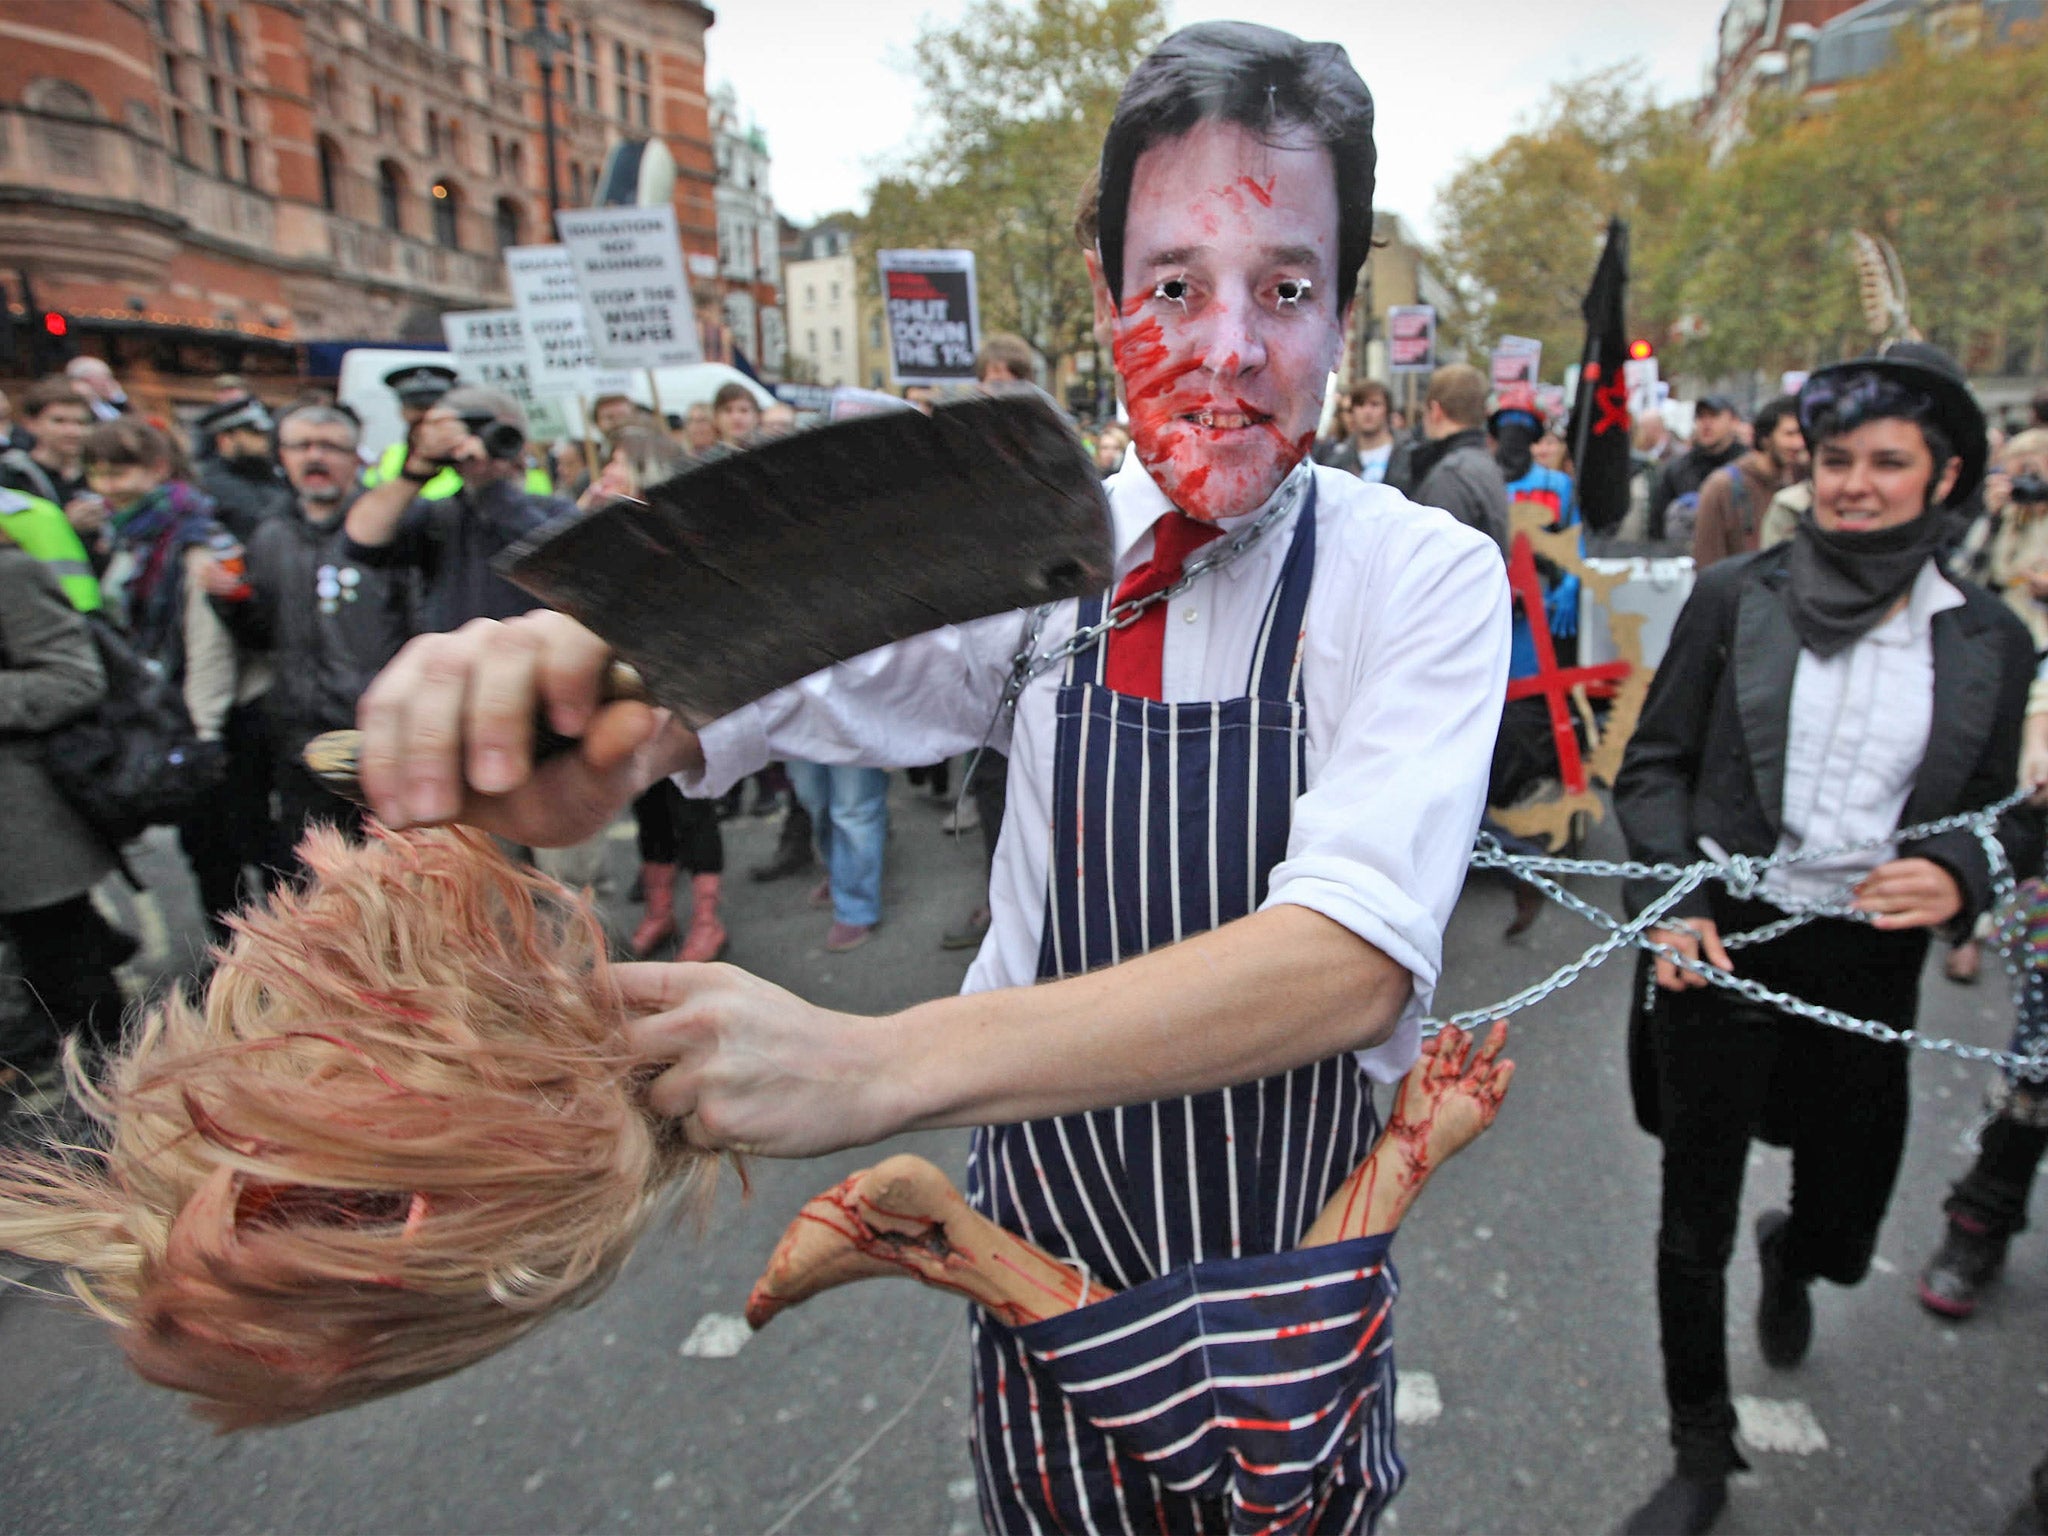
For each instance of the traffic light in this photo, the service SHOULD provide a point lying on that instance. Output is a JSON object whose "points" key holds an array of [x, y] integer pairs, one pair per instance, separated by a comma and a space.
{"points": [[56, 325], [1639, 349]]}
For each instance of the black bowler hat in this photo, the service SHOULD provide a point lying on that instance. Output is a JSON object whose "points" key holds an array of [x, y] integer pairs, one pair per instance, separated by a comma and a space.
{"points": [[420, 383], [226, 417], [1925, 369]]}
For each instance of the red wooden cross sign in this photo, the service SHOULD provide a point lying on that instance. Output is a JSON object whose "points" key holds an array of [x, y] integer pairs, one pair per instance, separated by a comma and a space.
{"points": [[1553, 682]]}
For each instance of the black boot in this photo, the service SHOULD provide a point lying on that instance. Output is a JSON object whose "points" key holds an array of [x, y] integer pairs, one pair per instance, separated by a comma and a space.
{"points": [[1685, 1505], [1784, 1312], [793, 854], [1968, 1260]]}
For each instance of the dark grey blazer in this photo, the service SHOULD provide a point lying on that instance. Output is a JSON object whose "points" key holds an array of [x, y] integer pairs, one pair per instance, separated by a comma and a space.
{"points": [[1708, 758]]}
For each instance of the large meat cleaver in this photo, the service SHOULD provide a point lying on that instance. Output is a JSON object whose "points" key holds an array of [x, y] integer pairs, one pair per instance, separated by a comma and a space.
{"points": [[745, 573]]}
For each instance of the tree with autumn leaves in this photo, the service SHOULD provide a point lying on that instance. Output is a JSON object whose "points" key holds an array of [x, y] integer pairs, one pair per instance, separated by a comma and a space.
{"points": [[1746, 264], [1017, 98]]}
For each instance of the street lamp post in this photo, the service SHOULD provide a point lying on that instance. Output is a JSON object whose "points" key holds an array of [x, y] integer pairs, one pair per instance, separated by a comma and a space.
{"points": [[546, 45]]}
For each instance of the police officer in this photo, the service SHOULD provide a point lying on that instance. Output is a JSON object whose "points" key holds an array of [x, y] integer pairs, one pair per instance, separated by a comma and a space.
{"points": [[241, 474], [419, 387], [41, 529]]}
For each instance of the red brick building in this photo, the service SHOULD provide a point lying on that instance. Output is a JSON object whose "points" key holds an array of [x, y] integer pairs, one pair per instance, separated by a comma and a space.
{"points": [[198, 185]]}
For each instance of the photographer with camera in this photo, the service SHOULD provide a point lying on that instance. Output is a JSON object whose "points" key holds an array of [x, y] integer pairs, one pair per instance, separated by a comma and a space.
{"points": [[2008, 550], [481, 435]]}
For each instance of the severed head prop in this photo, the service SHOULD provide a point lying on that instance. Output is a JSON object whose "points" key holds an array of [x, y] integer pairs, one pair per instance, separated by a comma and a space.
{"points": [[404, 1129]]}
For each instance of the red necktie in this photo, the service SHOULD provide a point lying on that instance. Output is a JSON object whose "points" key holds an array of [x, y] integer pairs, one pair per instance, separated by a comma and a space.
{"points": [[1138, 651]]}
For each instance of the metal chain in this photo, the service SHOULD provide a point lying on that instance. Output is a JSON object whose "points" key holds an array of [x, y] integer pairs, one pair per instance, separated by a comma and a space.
{"points": [[1027, 664], [1742, 874]]}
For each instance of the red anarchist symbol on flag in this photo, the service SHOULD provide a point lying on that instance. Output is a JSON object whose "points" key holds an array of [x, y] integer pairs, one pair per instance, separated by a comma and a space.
{"points": [[1611, 400], [1552, 682]]}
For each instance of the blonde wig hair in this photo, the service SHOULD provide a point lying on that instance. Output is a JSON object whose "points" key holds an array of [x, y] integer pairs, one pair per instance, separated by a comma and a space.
{"points": [[404, 1130]]}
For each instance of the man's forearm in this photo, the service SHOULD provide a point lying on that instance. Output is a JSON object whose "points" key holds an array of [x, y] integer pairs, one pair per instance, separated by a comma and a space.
{"points": [[373, 520], [1262, 995]]}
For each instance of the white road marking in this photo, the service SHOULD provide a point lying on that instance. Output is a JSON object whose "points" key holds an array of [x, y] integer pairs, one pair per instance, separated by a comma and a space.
{"points": [[1416, 1399], [1779, 1424], [717, 1336]]}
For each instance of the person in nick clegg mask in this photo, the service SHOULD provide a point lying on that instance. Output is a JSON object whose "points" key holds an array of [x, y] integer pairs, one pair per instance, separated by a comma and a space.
{"points": [[1822, 693]]}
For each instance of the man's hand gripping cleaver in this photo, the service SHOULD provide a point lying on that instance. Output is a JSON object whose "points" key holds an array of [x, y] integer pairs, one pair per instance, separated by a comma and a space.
{"points": [[741, 575]]}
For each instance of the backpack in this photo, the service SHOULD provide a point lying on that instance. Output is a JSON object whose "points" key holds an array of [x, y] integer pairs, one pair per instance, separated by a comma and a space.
{"points": [[132, 761]]}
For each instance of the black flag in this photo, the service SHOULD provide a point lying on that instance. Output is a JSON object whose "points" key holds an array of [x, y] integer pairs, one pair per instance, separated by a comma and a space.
{"points": [[1600, 423]]}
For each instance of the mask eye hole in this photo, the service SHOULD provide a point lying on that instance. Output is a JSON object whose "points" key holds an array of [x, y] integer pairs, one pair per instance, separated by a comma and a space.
{"points": [[1174, 290], [1291, 291]]}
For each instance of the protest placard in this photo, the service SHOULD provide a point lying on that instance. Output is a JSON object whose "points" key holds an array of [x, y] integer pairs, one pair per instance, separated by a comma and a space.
{"points": [[1517, 363], [1411, 338], [489, 348], [629, 270], [550, 309], [934, 325]]}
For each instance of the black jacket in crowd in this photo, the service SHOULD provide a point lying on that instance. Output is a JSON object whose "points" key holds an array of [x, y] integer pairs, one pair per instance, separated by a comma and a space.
{"points": [[1683, 476], [244, 492], [328, 623], [1708, 757], [451, 543]]}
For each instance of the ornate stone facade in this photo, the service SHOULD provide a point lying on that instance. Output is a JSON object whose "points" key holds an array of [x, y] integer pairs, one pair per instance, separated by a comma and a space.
{"points": [[278, 171]]}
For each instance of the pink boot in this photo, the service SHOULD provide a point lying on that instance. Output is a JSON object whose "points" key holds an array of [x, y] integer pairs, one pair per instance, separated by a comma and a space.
{"points": [[658, 925], [706, 938]]}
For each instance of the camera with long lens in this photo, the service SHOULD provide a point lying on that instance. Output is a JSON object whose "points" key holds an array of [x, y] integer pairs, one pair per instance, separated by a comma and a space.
{"points": [[2030, 488]]}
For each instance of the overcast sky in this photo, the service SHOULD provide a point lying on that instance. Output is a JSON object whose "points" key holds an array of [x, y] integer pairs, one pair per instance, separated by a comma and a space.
{"points": [[826, 79]]}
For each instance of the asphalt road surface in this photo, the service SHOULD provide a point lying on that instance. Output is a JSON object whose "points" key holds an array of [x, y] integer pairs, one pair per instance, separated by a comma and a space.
{"points": [[1527, 1339]]}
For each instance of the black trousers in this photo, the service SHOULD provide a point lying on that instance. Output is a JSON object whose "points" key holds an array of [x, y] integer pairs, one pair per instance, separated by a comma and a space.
{"points": [[67, 953], [303, 802], [234, 829], [989, 783], [1729, 1070], [674, 829]]}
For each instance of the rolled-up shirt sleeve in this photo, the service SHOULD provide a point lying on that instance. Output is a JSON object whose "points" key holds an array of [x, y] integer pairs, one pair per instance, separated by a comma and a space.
{"points": [[920, 700], [1383, 834]]}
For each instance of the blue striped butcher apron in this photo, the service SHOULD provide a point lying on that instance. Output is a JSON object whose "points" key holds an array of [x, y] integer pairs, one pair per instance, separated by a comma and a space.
{"points": [[1236, 1383]]}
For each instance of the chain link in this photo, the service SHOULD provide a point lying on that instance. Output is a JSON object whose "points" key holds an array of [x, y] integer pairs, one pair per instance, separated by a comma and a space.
{"points": [[1742, 875], [1027, 664]]}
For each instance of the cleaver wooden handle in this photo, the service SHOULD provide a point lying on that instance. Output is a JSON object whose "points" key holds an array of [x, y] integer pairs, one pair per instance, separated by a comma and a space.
{"points": [[334, 756]]}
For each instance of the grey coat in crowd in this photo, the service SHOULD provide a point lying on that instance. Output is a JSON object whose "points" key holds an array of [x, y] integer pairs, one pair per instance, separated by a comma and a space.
{"points": [[49, 674], [1458, 474]]}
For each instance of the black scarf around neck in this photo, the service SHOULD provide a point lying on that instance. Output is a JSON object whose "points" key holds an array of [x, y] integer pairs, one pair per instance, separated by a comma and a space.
{"points": [[1844, 584]]}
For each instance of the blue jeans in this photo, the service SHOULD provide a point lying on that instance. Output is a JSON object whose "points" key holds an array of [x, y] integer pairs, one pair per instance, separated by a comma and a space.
{"points": [[850, 816]]}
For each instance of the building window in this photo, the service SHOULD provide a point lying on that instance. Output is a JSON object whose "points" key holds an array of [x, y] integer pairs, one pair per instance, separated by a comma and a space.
{"points": [[619, 60], [213, 94], [511, 59], [835, 293], [166, 23], [447, 20], [640, 67], [246, 162], [222, 163], [811, 343], [508, 222], [447, 203], [590, 89], [391, 196], [241, 108], [206, 31], [569, 84], [422, 16], [330, 174], [231, 47], [590, 50], [171, 78], [433, 132], [625, 102], [388, 9], [838, 341], [575, 183], [644, 114], [181, 130]]}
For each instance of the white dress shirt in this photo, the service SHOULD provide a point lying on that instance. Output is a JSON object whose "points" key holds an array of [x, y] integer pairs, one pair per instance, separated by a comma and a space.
{"points": [[1403, 671], [1857, 734]]}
